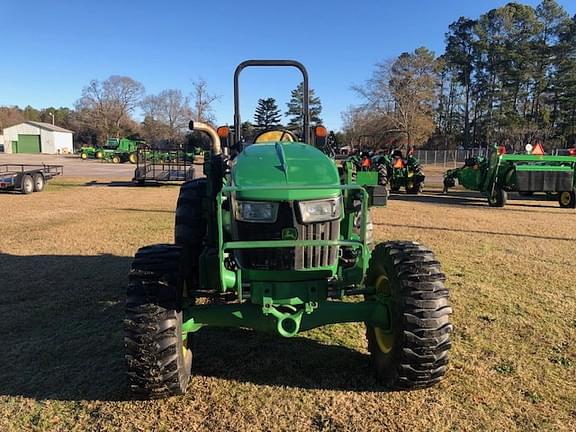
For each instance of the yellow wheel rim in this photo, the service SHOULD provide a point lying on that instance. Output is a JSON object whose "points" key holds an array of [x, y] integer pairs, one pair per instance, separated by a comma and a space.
{"points": [[382, 285], [384, 339], [565, 198], [83, 155]]}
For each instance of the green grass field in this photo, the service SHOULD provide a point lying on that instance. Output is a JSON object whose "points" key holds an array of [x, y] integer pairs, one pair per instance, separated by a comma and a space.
{"points": [[64, 258]]}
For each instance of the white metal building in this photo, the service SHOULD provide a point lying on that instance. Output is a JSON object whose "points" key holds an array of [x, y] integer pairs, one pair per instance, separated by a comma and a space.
{"points": [[37, 137]]}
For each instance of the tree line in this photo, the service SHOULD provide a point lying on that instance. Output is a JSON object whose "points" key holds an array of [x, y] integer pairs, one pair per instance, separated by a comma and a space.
{"points": [[106, 109], [507, 77]]}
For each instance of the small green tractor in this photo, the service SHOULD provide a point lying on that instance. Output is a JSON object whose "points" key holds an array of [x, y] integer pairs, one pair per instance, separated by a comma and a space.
{"points": [[393, 170], [275, 239], [405, 172], [116, 150], [526, 174]]}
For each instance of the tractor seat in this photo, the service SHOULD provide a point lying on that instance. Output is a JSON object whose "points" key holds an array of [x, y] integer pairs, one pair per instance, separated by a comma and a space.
{"points": [[274, 135]]}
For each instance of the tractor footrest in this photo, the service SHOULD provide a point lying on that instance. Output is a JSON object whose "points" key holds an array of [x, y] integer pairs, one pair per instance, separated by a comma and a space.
{"points": [[544, 181]]}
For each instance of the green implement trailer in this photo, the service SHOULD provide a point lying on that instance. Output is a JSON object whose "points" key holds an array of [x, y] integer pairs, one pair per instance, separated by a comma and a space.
{"points": [[523, 173], [276, 240]]}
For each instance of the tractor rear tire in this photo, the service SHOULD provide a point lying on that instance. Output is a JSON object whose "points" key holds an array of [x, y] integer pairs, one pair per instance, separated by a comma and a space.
{"points": [[99, 154], [158, 358], [190, 225], [498, 199], [567, 199], [133, 158], [414, 354]]}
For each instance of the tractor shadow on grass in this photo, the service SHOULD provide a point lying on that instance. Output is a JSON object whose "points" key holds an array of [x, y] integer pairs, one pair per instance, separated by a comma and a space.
{"points": [[300, 362], [62, 338], [61, 326]]}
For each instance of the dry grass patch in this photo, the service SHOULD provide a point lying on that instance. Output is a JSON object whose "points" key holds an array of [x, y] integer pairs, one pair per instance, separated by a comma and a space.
{"points": [[64, 257]]}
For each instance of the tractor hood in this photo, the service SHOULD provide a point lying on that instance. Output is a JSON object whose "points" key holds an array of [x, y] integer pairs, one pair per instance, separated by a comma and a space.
{"points": [[284, 171]]}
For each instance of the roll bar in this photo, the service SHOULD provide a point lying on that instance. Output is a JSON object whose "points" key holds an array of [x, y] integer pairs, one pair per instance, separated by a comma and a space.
{"points": [[281, 63]]}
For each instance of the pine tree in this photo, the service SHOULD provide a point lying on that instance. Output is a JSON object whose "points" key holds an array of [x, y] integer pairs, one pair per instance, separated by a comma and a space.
{"points": [[295, 108], [267, 115]]}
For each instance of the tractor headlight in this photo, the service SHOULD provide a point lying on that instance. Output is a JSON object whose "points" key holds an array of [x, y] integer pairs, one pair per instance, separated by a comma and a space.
{"points": [[319, 211], [256, 211]]}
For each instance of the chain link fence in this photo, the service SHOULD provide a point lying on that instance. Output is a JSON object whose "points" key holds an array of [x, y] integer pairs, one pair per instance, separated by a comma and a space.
{"points": [[448, 158]]}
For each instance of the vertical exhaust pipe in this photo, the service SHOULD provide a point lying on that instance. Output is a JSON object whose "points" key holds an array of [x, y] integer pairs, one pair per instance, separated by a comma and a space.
{"points": [[208, 130]]}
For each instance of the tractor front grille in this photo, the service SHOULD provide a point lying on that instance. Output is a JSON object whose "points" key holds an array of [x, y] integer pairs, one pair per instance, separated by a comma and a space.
{"points": [[299, 258], [317, 256]]}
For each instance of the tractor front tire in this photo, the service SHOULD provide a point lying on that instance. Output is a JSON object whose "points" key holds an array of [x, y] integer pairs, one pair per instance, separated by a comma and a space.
{"points": [[158, 358], [414, 352], [83, 156], [498, 198], [99, 154], [133, 158], [567, 199]]}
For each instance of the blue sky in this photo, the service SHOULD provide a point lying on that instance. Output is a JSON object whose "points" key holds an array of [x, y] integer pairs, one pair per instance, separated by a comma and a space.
{"points": [[51, 49]]}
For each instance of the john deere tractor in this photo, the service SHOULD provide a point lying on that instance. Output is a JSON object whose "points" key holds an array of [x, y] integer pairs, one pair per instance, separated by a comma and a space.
{"points": [[273, 240], [405, 172], [526, 174], [116, 150]]}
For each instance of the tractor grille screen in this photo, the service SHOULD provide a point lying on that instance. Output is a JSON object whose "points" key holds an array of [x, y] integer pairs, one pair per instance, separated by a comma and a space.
{"points": [[288, 258]]}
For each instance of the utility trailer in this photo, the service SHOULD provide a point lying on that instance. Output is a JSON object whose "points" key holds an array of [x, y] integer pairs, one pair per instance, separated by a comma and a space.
{"points": [[155, 165], [27, 178]]}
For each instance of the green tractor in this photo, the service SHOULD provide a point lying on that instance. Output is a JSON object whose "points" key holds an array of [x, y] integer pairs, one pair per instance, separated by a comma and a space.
{"points": [[523, 173], [90, 152], [116, 150], [272, 239], [405, 172], [120, 150], [393, 170]]}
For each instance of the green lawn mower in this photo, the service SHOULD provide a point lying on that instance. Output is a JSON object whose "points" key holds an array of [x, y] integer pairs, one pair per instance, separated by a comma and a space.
{"points": [[523, 173], [276, 240]]}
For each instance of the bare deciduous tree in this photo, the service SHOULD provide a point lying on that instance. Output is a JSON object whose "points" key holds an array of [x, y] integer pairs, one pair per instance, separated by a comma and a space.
{"points": [[402, 94], [202, 102], [166, 115], [107, 105]]}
